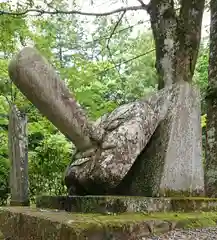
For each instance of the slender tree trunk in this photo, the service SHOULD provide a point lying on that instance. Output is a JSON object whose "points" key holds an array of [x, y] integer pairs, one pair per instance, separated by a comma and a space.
{"points": [[211, 99]]}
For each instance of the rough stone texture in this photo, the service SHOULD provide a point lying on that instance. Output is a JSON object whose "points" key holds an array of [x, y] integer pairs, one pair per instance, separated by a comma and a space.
{"points": [[22, 223], [119, 204], [104, 204], [127, 130], [39, 82], [193, 204], [118, 154], [18, 154], [1, 236], [171, 164]]}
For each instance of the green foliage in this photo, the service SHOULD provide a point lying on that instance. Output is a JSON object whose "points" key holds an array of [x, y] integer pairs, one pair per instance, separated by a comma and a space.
{"points": [[202, 68], [4, 180], [4, 163], [203, 120], [47, 164], [201, 73]]}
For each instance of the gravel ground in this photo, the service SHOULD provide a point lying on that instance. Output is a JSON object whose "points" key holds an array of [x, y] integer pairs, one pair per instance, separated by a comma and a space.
{"points": [[196, 234]]}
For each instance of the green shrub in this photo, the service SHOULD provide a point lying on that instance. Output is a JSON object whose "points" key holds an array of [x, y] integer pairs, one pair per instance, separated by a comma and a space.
{"points": [[4, 180]]}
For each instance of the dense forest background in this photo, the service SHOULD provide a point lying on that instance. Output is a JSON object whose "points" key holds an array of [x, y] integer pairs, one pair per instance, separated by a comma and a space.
{"points": [[109, 66]]}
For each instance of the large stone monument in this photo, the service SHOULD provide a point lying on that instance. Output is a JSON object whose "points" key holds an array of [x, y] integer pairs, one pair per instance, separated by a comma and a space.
{"points": [[149, 147]]}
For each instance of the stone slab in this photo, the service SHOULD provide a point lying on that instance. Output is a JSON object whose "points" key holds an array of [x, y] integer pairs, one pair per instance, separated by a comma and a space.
{"points": [[18, 155], [116, 204], [104, 204], [183, 169], [25, 223], [171, 164]]}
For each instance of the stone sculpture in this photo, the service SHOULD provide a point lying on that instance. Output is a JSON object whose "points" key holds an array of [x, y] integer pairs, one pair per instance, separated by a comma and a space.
{"points": [[148, 147]]}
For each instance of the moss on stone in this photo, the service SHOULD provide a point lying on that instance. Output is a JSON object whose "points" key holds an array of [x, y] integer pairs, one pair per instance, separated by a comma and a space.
{"points": [[32, 223], [103, 204], [1, 236], [174, 193], [194, 204], [196, 223], [117, 204]]}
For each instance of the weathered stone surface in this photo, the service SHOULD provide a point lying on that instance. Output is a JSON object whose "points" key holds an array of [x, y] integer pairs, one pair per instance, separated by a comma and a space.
{"points": [[127, 130], [104, 204], [193, 204], [26, 224], [1, 236], [18, 154], [112, 144], [183, 170], [118, 154], [119, 204], [171, 164], [23, 223], [39, 82]]}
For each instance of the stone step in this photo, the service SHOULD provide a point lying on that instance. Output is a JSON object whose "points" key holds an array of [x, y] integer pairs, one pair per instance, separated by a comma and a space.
{"points": [[28, 223], [116, 204]]}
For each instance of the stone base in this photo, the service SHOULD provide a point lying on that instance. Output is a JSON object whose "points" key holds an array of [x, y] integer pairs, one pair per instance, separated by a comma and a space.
{"points": [[25, 223], [18, 203], [116, 204], [172, 160]]}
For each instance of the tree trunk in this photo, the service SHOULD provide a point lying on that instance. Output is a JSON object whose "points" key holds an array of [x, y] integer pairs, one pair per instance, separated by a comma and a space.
{"points": [[164, 24], [211, 100], [18, 154], [188, 38], [177, 38]]}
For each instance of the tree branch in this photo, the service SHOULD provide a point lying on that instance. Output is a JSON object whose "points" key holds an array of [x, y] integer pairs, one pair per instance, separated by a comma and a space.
{"points": [[41, 11], [126, 61], [145, 6], [109, 39], [105, 37]]}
